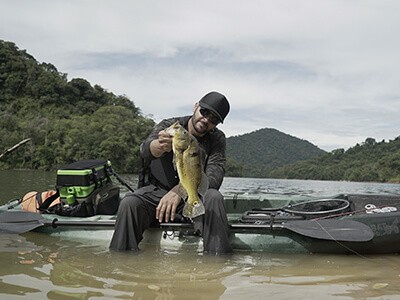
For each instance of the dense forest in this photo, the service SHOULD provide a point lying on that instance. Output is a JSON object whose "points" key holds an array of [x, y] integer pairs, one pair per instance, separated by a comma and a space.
{"points": [[257, 153], [370, 161], [68, 120]]}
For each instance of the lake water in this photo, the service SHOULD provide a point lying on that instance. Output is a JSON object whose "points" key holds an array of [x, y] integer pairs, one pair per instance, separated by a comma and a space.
{"points": [[37, 266]]}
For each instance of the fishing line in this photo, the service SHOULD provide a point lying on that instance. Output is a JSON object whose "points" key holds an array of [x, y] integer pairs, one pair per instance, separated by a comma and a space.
{"points": [[360, 211], [349, 249], [339, 243]]}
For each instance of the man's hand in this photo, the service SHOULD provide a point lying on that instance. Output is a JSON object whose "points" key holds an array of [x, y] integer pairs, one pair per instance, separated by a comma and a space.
{"points": [[161, 145], [167, 206]]}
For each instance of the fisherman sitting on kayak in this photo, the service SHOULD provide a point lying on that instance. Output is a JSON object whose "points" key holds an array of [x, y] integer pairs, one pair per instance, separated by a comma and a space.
{"points": [[160, 194]]}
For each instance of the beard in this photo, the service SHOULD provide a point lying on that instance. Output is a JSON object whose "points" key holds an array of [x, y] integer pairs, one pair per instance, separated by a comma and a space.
{"points": [[199, 126]]}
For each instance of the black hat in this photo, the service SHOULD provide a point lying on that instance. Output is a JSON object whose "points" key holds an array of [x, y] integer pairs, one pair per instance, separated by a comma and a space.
{"points": [[217, 103]]}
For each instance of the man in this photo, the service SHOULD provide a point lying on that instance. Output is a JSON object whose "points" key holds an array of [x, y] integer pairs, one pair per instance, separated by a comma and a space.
{"points": [[158, 198]]}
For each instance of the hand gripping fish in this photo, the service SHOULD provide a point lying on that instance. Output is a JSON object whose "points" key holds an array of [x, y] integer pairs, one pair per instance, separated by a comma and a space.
{"points": [[187, 160]]}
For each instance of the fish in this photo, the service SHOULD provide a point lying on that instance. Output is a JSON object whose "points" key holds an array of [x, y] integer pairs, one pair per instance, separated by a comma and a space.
{"points": [[187, 161]]}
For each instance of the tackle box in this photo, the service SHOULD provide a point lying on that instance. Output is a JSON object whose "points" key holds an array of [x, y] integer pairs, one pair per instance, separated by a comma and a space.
{"points": [[78, 180]]}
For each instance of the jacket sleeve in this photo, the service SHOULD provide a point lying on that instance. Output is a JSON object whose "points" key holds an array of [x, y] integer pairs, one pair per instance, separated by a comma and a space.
{"points": [[216, 159], [145, 152]]}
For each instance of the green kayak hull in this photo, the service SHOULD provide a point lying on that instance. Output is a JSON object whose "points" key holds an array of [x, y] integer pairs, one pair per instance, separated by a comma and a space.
{"points": [[266, 228]]}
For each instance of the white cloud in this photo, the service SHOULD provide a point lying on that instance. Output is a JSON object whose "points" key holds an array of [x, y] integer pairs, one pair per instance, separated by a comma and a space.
{"points": [[326, 71]]}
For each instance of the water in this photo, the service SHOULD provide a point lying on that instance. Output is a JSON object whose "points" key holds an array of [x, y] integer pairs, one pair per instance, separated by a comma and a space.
{"points": [[277, 188], [38, 266], [14, 184]]}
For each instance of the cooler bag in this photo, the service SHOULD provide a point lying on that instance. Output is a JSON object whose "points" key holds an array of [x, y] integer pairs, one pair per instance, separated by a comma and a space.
{"points": [[78, 180], [86, 188]]}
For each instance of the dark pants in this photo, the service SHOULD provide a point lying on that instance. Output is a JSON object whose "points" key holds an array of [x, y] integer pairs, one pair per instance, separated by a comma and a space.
{"points": [[137, 212]]}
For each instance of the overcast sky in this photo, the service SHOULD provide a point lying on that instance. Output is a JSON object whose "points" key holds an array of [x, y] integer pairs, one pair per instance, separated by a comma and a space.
{"points": [[323, 71]]}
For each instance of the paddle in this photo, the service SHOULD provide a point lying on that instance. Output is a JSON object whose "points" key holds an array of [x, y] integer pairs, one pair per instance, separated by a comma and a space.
{"points": [[24, 221], [332, 229], [326, 229]]}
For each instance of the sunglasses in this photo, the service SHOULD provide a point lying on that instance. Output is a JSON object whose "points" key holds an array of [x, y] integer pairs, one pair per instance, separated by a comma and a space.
{"points": [[210, 116]]}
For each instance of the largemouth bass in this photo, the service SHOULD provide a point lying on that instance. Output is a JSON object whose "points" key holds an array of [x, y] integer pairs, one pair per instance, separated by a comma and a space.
{"points": [[187, 160]]}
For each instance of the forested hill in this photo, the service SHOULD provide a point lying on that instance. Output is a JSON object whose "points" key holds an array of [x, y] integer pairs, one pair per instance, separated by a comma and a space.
{"points": [[370, 161], [66, 120], [257, 153]]}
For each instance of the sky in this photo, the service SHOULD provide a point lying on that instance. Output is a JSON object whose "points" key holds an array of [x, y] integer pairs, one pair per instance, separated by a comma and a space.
{"points": [[323, 71]]}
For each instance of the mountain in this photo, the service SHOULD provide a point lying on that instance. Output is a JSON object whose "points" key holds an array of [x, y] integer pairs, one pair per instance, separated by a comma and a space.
{"points": [[257, 153], [368, 161]]}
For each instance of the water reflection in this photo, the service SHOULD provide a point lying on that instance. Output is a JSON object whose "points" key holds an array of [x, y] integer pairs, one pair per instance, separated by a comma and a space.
{"points": [[64, 269], [314, 277], [48, 267]]}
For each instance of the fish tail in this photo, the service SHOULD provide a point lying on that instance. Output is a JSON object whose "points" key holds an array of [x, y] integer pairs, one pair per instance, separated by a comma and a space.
{"points": [[193, 209]]}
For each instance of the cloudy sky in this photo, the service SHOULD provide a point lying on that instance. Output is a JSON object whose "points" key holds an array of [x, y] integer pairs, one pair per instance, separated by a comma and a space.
{"points": [[324, 71]]}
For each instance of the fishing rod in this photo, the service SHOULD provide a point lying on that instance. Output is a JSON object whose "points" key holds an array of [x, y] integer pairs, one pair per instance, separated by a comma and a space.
{"points": [[123, 182]]}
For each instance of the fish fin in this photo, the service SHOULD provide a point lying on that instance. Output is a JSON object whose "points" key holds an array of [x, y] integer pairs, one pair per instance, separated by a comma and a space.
{"points": [[174, 161], [195, 210], [204, 184], [182, 192]]}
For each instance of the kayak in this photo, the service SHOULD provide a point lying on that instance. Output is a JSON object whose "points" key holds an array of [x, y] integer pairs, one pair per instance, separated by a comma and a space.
{"points": [[342, 224]]}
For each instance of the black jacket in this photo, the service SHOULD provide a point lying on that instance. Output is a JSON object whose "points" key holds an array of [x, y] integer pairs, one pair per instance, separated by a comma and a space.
{"points": [[160, 171]]}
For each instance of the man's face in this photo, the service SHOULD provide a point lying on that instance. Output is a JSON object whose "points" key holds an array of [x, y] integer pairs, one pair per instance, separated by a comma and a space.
{"points": [[203, 120]]}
